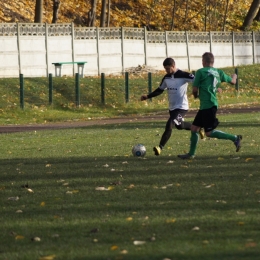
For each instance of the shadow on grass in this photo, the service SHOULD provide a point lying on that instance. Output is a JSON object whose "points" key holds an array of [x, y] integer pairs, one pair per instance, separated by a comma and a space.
{"points": [[145, 198]]}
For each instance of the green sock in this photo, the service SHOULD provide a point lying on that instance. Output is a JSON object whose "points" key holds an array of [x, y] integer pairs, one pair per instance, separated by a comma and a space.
{"points": [[193, 142], [221, 135]]}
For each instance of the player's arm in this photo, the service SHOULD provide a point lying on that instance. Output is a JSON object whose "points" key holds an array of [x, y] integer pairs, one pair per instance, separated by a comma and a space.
{"points": [[234, 79], [225, 78], [155, 93], [195, 92]]}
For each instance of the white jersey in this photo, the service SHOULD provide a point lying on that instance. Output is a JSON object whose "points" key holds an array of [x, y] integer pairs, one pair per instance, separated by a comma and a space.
{"points": [[176, 84]]}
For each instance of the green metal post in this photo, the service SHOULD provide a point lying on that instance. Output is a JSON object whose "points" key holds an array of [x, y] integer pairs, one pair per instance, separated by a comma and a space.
{"points": [[150, 83], [50, 88], [236, 72], [126, 87], [21, 91], [103, 88], [77, 89]]}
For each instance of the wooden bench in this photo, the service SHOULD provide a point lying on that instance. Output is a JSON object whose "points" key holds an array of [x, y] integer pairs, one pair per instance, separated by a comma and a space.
{"points": [[58, 66]]}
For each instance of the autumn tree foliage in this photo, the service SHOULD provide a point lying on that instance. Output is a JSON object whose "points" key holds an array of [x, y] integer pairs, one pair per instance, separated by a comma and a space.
{"points": [[159, 15]]}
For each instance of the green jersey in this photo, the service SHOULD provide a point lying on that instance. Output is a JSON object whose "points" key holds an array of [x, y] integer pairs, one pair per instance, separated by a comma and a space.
{"points": [[207, 80]]}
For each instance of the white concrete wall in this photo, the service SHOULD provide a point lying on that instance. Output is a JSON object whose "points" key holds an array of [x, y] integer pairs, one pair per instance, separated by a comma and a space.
{"points": [[9, 65], [111, 55]]}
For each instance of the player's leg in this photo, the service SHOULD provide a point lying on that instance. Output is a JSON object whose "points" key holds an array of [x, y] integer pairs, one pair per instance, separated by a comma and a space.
{"points": [[211, 125], [177, 116], [180, 124], [165, 137], [195, 128]]}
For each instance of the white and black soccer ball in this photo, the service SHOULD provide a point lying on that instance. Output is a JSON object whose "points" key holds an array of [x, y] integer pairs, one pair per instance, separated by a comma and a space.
{"points": [[139, 150]]}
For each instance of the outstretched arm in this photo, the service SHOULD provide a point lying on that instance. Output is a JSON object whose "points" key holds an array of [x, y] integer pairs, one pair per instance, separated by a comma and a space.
{"points": [[155, 93], [234, 79]]}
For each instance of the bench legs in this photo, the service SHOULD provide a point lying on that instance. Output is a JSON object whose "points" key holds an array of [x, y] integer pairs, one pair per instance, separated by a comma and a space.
{"points": [[58, 70], [81, 70]]}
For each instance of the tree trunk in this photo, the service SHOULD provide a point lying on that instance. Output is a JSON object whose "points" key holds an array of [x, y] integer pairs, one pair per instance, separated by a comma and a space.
{"points": [[206, 15], [56, 6], [108, 12], [92, 14], [103, 13], [251, 15], [225, 16], [173, 15], [38, 11]]}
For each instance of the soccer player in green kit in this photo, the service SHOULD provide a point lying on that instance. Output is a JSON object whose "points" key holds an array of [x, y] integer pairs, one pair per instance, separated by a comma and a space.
{"points": [[205, 87]]}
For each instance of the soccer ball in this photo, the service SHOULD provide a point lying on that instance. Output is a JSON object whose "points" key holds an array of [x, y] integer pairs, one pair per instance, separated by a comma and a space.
{"points": [[139, 150]]}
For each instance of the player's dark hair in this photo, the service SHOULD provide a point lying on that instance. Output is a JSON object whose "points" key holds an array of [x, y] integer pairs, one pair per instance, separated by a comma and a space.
{"points": [[168, 62], [208, 58]]}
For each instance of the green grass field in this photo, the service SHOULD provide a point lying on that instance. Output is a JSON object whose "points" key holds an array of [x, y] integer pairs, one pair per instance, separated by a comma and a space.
{"points": [[38, 110], [80, 194]]}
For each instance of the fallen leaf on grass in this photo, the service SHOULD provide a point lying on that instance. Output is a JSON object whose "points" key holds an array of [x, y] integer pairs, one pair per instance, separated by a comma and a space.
{"points": [[124, 252], [222, 201], [18, 237], [113, 248], [209, 186], [250, 244], [100, 188], [13, 198], [30, 190], [241, 213], [173, 220], [129, 219], [138, 243], [170, 162], [241, 223], [196, 229], [42, 204], [36, 239], [18, 211], [47, 257], [48, 165], [220, 158], [249, 159], [106, 165]]}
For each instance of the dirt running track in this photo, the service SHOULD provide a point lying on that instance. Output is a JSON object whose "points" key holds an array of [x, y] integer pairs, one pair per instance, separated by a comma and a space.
{"points": [[73, 124]]}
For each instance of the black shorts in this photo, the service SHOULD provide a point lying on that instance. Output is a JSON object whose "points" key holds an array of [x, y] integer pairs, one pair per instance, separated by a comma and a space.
{"points": [[177, 115], [206, 119]]}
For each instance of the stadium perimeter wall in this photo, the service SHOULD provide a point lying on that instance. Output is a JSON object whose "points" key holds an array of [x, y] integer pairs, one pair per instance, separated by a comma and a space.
{"points": [[30, 48]]}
